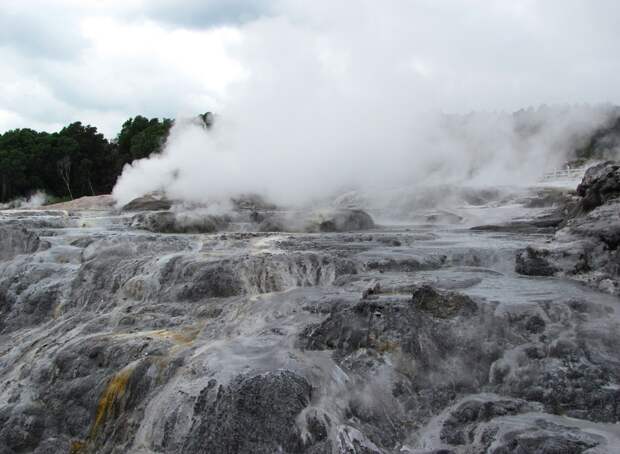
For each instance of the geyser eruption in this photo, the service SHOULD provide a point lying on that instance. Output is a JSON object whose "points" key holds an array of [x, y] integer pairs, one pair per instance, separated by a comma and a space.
{"points": [[353, 100]]}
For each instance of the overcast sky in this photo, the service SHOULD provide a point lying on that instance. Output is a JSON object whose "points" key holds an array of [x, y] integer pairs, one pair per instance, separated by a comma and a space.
{"points": [[103, 61]]}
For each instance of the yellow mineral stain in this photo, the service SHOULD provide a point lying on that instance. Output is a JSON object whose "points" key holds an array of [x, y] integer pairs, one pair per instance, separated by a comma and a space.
{"points": [[114, 392], [387, 346], [77, 447], [185, 336]]}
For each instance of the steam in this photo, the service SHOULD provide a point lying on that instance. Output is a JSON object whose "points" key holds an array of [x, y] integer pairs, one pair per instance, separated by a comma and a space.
{"points": [[350, 98], [36, 200]]}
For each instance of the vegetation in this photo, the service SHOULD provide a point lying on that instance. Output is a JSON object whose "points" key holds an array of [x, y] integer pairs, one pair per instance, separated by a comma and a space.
{"points": [[603, 144], [75, 161]]}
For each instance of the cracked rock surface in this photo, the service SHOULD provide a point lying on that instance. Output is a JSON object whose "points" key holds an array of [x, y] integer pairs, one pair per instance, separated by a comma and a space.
{"points": [[355, 336]]}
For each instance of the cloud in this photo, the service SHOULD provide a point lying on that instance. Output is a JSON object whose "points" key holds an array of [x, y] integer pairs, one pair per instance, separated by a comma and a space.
{"points": [[114, 63], [31, 32], [102, 62], [206, 13]]}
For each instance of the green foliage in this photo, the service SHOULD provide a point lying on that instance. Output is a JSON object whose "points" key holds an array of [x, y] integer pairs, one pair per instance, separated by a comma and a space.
{"points": [[139, 137], [76, 161]]}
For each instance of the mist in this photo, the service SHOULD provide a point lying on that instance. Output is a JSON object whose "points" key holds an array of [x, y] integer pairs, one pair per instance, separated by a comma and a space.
{"points": [[356, 96]]}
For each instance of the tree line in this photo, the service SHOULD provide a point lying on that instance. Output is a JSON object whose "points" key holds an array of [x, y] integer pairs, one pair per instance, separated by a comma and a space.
{"points": [[77, 160]]}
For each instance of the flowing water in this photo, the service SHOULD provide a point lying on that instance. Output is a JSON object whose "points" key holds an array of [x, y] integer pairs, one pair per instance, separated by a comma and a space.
{"points": [[120, 340]]}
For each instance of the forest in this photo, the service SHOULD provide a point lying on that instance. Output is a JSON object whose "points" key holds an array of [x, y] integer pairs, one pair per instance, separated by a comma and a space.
{"points": [[76, 161]]}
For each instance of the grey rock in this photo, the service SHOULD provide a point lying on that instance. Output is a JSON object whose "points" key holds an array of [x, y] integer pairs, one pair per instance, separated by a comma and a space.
{"points": [[346, 221], [585, 248], [459, 427], [148, 203], [171, 222], [253, 202], [546, 438], [15, 241], [442, 305], [600, 184], [444, 217], [118, 340], [534, 262], [253, 414]]}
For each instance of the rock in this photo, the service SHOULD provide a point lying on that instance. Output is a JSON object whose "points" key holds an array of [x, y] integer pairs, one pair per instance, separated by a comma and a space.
{"points": [[533, 262], [479, 196], [273, 224], [405, 264], [170, 222], [346, 221], [87, 203], [548, 197], [459, 427], [543, 224], [601, 224], [252, 202], [585, 248], [21, 431], [148, 202], [594, 175], [600, 184], [118, 340], [544, 437], [253, 414], [343, 220], [442, 305], [491, 424], [371, 291], [367, 334], [444, 217], [15, 241]]}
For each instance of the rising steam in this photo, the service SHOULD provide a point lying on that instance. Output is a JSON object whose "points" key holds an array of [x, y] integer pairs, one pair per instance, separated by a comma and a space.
{"points": [[352, 97]]}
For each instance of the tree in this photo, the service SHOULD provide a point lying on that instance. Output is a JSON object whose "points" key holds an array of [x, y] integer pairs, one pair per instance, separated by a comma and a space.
{"points": [[207, 119], [140, 137], [76, 161], [64, 170]]}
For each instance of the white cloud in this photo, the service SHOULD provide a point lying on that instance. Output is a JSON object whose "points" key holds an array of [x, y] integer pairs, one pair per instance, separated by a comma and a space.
{"points": [[120, 66], [104, 61]]}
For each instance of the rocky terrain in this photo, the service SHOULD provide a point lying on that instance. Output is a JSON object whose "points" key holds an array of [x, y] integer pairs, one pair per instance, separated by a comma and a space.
{"points": [[167, 329], [585, 247]]}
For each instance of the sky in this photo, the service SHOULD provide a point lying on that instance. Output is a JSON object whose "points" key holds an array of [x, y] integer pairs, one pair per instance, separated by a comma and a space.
{"points": [[103, 61]]}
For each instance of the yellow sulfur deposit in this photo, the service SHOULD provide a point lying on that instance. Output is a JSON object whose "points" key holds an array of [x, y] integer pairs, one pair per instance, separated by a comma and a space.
{"points": [[113, 393]]}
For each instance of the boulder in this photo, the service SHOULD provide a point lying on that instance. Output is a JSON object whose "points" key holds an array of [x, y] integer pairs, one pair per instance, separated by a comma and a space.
{"points": [[345, 221], [254, 414], [488, 423], [444, 217], [600, 184], [170, 222], [533, 262], [459, 427], [15, 241], [585, 247], [442, 305], [252, 202], [148, 202]]}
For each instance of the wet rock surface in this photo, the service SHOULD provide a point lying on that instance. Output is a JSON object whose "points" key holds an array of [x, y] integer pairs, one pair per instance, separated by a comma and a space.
{"points": [[15, 241], [585, 247], [148, 203], [171, 222], [351, 338], [600, 184]]}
